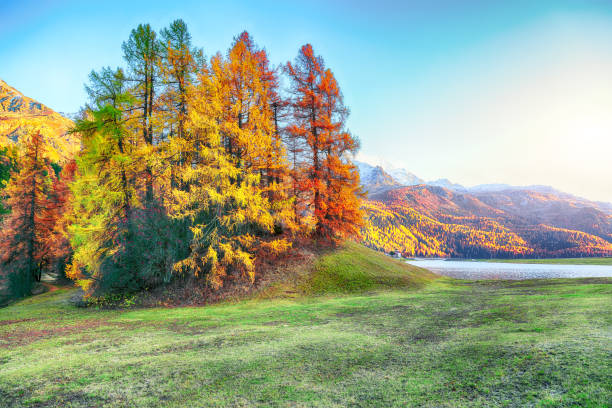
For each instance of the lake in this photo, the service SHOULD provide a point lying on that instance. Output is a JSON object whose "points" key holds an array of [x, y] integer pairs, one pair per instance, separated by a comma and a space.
{"points": [[493, 270]]}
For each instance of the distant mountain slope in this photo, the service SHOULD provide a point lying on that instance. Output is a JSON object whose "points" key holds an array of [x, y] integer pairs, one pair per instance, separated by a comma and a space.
{"points": [[426, 220], [395, 226], [377, 177], [20, 115], [404, 177], [433, 201], [374, 179], [446, 183], [399, 176], [560, 211]]}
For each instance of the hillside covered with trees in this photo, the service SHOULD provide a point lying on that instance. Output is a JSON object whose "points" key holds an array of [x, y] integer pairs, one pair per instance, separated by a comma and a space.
{"points": [[426, 220]]}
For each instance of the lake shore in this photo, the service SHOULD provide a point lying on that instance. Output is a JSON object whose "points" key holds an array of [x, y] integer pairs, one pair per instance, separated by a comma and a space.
{"points": [[484, 270], [556, 261]]}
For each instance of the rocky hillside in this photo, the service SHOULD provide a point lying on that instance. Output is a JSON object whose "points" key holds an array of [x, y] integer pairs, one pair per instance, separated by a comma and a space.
{"points": [[21, 115], [375, 178]]}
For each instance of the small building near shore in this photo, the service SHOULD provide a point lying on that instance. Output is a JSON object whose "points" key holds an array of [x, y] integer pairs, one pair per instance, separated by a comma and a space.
{"points": [[395, 254]]}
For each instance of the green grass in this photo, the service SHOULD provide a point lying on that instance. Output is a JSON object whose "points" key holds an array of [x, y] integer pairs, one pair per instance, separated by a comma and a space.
{"points": [[556, 261], [355, 268], [425, 342], [352, 268]]}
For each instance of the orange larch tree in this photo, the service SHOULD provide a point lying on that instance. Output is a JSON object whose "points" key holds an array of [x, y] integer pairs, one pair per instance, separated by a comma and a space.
{"points": [[343, 216], [326, 179], [305, 129], [275, 172]]}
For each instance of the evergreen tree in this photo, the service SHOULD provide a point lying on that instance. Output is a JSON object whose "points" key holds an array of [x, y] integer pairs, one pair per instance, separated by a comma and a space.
{"points": [[121, 242]]}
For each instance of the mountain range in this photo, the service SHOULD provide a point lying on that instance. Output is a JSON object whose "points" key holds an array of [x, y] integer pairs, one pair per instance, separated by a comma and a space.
{"points": [[21, 115], [441, 218]]}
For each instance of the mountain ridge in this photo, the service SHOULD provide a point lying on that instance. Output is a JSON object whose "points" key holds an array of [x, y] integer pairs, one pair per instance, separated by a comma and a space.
{"points": [[21, 115], [479, 188]]}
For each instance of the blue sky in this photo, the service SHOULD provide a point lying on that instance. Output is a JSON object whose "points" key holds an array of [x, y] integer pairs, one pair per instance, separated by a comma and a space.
{"points": [[475, 91]]}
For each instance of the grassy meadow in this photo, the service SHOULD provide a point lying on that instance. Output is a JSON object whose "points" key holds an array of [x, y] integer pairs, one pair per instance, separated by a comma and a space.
{"points": [[353, 329]]}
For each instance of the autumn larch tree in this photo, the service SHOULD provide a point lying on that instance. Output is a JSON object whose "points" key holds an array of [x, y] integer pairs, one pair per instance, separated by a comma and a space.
{"points": [[275, 175], [343, 216], [248, 89], [142, 53], [328, 178], [178, 67], [121, 242], [184, 169], [104, 189], [24, 249], [231, 218]]}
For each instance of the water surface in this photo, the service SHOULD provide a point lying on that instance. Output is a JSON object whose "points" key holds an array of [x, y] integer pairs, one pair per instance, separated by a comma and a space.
{"points": [[515, 271]]}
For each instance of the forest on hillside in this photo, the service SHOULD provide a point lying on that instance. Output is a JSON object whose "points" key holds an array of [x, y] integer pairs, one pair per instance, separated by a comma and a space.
{"points": [[189, 167], [434, 222]]}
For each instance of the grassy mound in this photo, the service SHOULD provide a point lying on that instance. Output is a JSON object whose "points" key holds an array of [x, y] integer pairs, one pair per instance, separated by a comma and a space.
{"points": [[351, 268], [354, 268]]}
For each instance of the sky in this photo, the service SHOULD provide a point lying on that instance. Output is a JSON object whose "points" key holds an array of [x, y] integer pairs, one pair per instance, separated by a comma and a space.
{"points": [[516, 92]]}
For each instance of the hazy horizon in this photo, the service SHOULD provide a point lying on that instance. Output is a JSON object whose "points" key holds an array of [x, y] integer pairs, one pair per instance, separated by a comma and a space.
{"points": [[474, 92]]}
